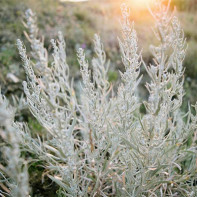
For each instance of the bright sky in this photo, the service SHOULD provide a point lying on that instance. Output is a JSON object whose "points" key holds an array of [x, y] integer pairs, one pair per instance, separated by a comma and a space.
{"points": [[135, 3], [141, 3], [73, 0]]}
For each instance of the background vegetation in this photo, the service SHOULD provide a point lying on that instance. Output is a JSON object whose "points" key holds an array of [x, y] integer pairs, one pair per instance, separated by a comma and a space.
{"points": [[79, 22]]}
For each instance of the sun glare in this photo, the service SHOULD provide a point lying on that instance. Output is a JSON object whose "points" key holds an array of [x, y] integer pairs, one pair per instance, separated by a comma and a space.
{"points": [[141, 3]]}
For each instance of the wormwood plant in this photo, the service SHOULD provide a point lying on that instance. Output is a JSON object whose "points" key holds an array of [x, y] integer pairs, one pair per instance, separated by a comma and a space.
{"points": [[99, 144]]}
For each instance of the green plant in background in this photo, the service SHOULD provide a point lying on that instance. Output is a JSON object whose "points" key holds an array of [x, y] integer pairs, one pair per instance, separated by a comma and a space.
{"points": [[96, 142], [99, 16], [185, 4]]}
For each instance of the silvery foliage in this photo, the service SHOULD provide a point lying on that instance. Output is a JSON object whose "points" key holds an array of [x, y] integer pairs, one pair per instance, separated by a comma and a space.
{"points": [[16, 168], [100, 144], [156, 141]]}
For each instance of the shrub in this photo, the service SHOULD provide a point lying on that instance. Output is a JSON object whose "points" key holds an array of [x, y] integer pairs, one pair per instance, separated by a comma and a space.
{"points": [[97, 143], [16, 167]]}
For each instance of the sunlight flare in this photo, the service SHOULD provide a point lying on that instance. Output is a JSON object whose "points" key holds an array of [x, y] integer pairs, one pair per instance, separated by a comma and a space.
{"points": [[141, 3]]}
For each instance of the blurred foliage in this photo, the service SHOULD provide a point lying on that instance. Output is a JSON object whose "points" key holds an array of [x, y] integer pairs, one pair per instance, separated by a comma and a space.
{"points": [[41, 185], [79, 22], [191, 60], [185, 5], [35, 126], [113, 76]]}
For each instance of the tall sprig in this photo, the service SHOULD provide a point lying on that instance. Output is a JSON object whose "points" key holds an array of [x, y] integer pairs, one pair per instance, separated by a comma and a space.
{"points": [[127, 99], [51, 99], [14, 175]]}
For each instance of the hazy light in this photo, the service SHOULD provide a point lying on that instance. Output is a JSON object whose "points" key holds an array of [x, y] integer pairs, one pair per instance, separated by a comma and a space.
{"points": [[73, 0], [141, 3]]}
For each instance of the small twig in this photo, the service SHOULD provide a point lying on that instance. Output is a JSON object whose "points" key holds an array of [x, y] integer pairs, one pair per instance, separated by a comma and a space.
{"points": [[91, 140], [4, 188]]}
